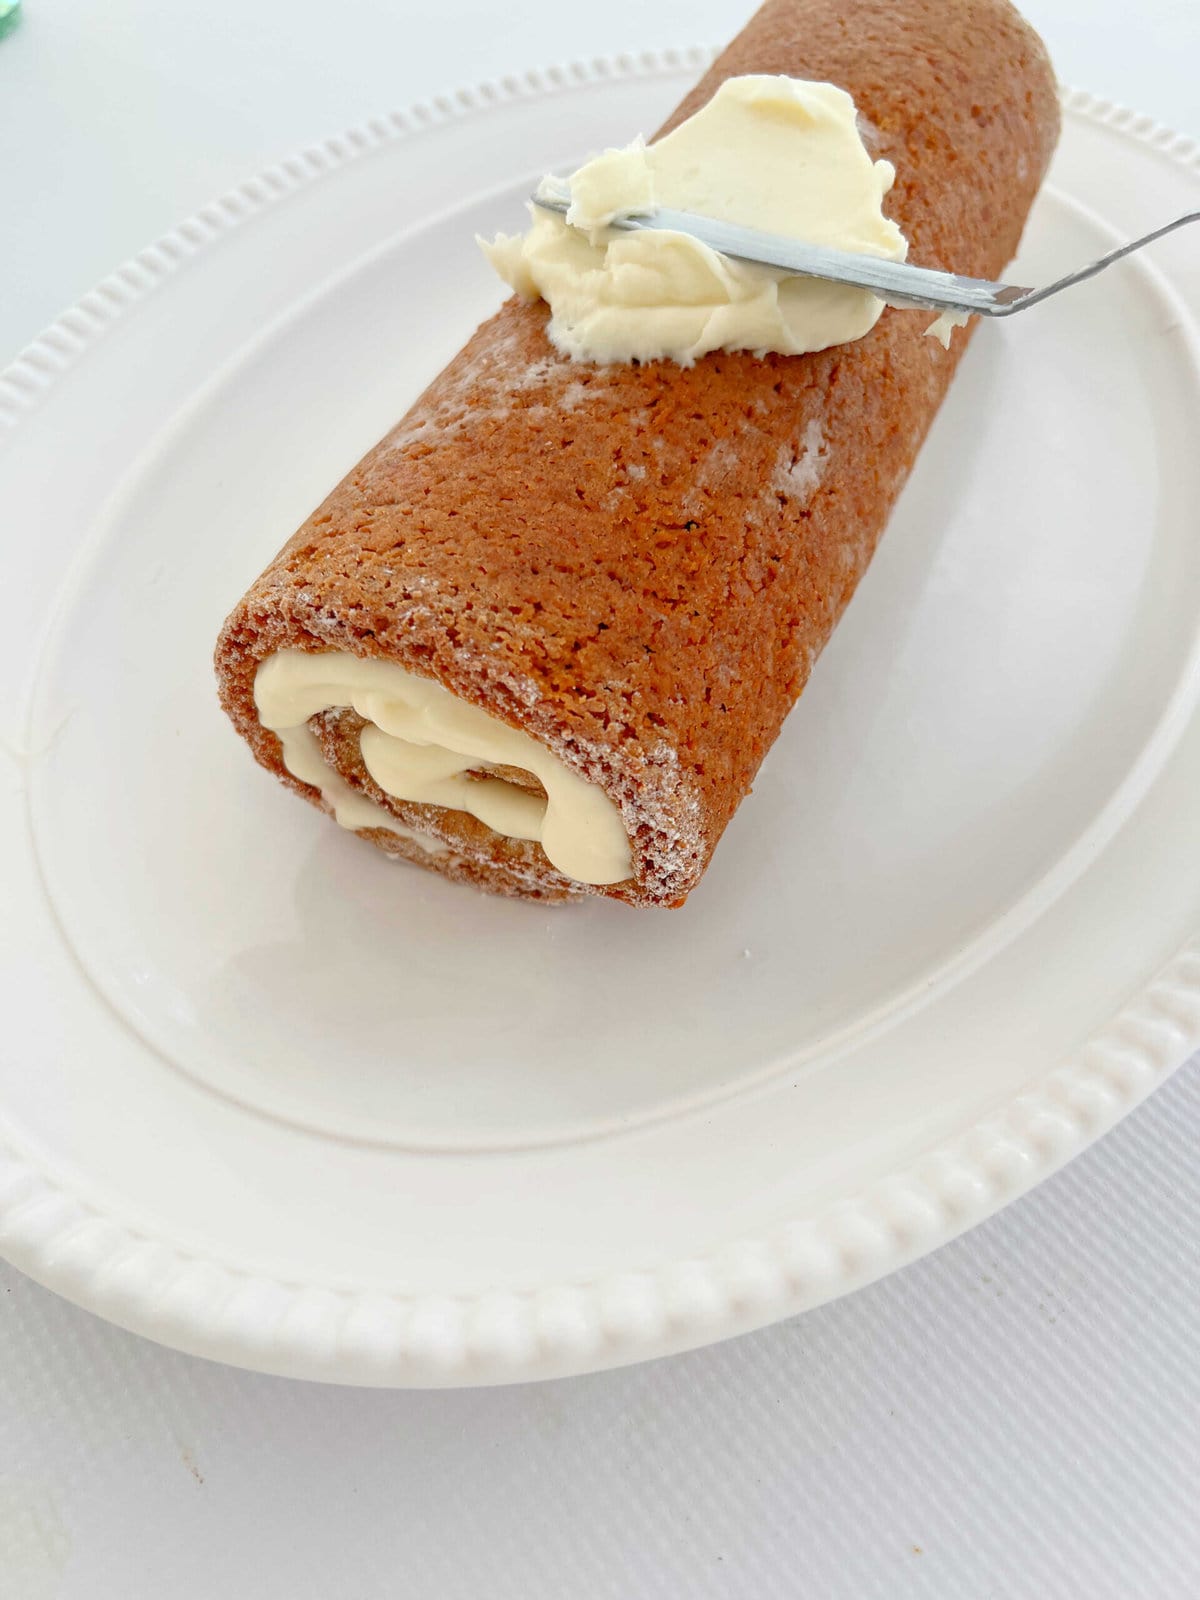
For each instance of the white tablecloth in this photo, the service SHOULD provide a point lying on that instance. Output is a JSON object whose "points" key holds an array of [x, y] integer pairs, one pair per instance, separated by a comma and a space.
{"points": [[1017, 1416]]}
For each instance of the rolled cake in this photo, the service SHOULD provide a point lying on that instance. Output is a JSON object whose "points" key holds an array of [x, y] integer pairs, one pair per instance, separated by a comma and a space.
{"points": [[562, 608]]}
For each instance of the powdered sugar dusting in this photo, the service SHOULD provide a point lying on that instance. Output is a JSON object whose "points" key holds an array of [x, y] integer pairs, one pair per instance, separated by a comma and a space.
{"points": [[798, 474], [575, 394], [720, 461]]}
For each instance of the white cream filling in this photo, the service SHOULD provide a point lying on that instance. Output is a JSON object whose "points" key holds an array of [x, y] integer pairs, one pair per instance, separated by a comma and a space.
{"points": [[942, 327], [420, 744], [774, 153]]}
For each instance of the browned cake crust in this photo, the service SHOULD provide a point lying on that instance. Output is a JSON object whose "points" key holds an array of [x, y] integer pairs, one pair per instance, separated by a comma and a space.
{"points": [[639, 564]]}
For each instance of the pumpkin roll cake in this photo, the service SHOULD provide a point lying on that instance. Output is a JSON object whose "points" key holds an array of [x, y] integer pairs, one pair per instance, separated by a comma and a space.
{"points": [[542, 636]]}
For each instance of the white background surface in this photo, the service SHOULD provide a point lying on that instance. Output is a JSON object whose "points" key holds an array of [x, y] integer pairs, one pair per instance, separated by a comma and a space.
{"points": [[1017, 1416]]}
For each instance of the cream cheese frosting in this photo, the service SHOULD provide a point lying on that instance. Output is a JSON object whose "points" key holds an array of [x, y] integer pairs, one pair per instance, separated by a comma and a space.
{"points": [[422, 743], [774, 153], [942, 327]]}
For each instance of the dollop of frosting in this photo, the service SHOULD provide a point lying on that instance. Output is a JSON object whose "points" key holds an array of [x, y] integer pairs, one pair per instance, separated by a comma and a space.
{"points": [[943, 326], [774, 153]]}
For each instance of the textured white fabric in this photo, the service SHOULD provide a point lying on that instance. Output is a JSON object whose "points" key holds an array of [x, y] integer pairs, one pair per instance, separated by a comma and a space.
{"points": [[1016, 1417]]}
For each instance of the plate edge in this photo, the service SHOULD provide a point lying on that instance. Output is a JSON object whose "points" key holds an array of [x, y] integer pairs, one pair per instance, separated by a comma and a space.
{"points": [[197, 1304]]}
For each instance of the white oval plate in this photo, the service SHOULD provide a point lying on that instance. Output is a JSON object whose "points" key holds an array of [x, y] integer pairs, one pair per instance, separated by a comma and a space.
{"points": [[271, 1099]]}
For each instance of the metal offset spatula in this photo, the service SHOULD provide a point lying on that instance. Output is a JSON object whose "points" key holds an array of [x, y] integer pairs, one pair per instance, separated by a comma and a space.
{"points": [[897, 282]]}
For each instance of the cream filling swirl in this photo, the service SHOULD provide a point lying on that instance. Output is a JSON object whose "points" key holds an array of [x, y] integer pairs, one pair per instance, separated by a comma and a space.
{"points": [[423, 744]]}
